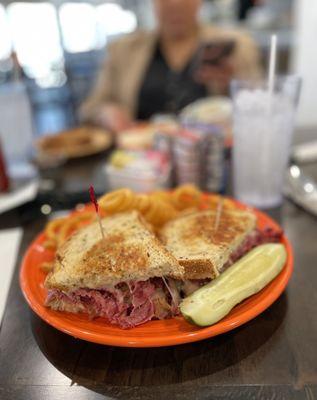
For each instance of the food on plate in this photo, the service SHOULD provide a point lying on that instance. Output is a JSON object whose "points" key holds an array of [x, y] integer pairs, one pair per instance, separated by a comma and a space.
{"points": [[58, 230], [186, 196], [158, 248], [205, 248], [209, 110], [128, 278], [216, 110], [246, 277], [159, 207], [142, 135], [142, 171], [118, 201], [76, 142], [156, 208], [137, 138], [120, 159], [47, 266]]}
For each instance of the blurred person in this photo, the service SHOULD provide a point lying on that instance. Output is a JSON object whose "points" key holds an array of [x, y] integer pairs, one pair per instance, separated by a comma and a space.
{"points": [[161, 71]]}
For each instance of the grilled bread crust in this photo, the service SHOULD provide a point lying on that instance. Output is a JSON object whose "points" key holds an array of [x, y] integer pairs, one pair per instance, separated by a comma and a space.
{"points": [[130, 251], [200, 247]]}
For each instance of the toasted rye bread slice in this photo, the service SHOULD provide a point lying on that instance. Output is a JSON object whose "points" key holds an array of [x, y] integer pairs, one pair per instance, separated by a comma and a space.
{"points": [[200, 248], [130, 251]]}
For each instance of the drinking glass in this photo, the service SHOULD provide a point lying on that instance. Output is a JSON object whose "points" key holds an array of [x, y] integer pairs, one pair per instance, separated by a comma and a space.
{"points": [[263, 125]]}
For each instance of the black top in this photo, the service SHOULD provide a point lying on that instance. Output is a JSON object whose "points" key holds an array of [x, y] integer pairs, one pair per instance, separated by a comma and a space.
{"points": [[166, 91]]}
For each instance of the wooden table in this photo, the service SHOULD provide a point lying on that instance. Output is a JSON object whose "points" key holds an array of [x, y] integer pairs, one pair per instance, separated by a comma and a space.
{"points": [[273, 356]]}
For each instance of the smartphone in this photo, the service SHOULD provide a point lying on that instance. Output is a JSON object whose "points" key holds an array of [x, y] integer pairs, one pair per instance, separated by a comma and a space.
{"points": [[213, 53]]}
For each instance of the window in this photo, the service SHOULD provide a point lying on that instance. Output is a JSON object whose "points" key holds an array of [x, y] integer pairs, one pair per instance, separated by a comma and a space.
{"points": [[78, 27], [35, 37], [5, 41], [112, 19]]}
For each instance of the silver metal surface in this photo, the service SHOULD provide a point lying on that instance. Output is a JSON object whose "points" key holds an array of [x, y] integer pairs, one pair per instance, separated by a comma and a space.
{"points": [[301, 188]]}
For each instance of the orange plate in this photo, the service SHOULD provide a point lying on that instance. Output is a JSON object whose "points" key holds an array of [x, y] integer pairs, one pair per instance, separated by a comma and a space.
{"points": [[154, 333]]}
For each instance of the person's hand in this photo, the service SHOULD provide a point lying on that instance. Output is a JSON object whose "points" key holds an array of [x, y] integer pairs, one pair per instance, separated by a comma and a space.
{"points": [[113, 117], [216, 76]]}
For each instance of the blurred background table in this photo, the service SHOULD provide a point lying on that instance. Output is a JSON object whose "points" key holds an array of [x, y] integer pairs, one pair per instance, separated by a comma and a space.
{"points": [[271, 357]]}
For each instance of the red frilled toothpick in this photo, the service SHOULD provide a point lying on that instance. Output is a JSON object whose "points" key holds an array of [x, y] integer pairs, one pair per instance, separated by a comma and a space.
{"points": [[95, 203]]}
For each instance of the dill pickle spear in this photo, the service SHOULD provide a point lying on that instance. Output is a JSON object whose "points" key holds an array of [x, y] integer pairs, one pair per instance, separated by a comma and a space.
{"points": [[249, 275]]}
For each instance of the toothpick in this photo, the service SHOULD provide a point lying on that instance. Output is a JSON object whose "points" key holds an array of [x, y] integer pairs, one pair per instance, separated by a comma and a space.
{"points": [[218, 213], [95, 203]]}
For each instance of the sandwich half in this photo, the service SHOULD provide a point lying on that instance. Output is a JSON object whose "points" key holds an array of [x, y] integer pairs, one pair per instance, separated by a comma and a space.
{"points": [[203, 249], [128, 278]]}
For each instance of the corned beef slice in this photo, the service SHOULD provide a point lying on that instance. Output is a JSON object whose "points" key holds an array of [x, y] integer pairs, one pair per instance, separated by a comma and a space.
{"points": [[127, 304], [256, 238]]}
